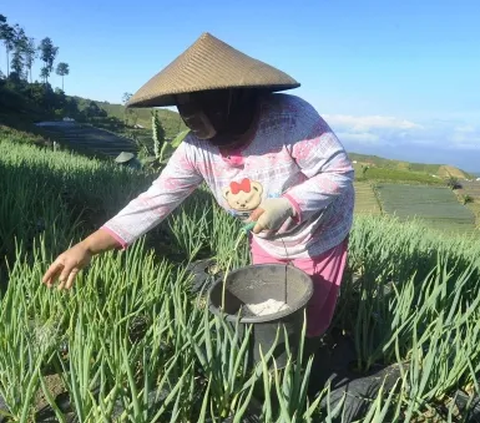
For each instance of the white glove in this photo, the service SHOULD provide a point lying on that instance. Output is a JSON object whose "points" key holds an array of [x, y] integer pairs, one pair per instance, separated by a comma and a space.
{"points": [[271, 214]]}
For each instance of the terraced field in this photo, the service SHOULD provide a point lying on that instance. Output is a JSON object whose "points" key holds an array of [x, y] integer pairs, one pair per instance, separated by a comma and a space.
{"points": [[365, 199], [437, 206], [473, 190], [85, 137]]}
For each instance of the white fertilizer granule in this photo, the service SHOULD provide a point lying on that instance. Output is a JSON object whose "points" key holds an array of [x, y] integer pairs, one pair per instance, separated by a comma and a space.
{"points": [[267, 307]]}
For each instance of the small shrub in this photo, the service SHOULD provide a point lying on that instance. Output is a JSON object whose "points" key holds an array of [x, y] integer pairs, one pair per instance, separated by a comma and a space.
{"points": [[453, 183]]}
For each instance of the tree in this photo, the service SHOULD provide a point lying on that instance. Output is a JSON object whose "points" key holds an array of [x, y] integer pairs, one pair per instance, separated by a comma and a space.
{"points": [[126, 97], [129, 113], [48, 53], [7, 34], [62, 70], [44, 74], [364, 171], [454, 183], [93, 110], [467, 199], [20, 42], [30, 56], [3, 29]]}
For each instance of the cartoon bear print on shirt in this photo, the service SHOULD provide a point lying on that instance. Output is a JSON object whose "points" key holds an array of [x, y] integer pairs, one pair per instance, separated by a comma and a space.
{"points": [[243, 197]]}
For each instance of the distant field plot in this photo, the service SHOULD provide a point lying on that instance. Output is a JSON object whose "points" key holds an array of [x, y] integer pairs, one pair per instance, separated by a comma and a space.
{"points": [[89, 138], [437, 206], [472, 189], [365, 199], [377, 173]]}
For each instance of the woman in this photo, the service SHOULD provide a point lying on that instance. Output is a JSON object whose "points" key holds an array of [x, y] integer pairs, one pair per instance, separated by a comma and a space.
{"points": [[268, 158]]}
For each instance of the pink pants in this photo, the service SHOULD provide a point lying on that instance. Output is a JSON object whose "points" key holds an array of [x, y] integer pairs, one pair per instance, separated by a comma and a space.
{"points": [[326, 271]]}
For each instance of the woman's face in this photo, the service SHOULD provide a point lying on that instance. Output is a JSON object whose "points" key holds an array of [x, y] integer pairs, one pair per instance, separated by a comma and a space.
{"points": [[204, 112], [214, 114], [194, 116]]}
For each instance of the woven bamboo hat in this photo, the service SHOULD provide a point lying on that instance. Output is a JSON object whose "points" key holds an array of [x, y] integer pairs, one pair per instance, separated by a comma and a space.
{"points": [[124, 157], [209, 64]]}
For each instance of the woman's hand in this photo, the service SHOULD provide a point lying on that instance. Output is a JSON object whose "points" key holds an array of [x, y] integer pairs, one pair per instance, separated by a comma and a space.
{"points": [[67, 265], [271, 214]]}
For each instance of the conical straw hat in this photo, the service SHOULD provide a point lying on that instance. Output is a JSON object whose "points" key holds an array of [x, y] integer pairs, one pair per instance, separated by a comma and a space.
{"points": [[124, 157], [209, 64]]}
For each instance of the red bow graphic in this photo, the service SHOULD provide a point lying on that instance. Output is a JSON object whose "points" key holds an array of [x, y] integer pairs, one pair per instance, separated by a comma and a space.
{"points": [[242, 186]]}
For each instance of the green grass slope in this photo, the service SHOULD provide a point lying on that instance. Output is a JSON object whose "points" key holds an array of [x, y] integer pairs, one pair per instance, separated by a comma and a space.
{"points": [[116, 116], [440, 170], [395, 175], [171, 121]]}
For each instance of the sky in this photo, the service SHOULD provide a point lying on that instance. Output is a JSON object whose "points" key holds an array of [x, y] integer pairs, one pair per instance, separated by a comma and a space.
{"points": [[396, 78]]}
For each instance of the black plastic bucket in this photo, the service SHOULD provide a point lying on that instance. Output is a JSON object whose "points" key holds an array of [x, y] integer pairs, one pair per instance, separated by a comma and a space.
{"points": [[258, 283]]}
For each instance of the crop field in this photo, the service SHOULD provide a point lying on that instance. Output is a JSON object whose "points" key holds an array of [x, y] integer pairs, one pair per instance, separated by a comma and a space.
{"points": [[398, 175], [472, 188], [84, 137], [436, 206], [365, 199], [133, 342]]}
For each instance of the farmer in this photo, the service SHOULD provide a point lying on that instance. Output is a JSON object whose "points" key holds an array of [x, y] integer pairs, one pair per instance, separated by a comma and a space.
{"points": [[128, 159], [268, 158]]}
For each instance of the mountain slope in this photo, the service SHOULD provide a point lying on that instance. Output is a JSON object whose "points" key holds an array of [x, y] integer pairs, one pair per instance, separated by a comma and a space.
{"points": [[171, 121], [440, 170]]}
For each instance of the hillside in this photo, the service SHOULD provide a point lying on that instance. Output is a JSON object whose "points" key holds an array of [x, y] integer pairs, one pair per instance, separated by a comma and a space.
{"points": [[439, 170], [23, 104], [171, 121]]}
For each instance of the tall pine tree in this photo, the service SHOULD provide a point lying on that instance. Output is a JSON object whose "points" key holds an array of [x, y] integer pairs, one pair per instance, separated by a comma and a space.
{"points": [[48, 54]]}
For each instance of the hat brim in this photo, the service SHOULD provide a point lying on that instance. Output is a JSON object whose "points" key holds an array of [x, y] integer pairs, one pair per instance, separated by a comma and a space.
{"points": [[171, 99]]}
